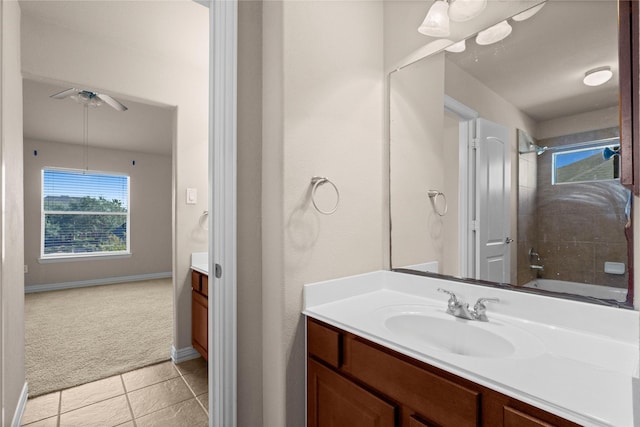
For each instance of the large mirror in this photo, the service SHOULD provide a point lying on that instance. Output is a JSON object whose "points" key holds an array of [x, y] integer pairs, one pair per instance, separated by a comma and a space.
{"points": [[504, 157]]}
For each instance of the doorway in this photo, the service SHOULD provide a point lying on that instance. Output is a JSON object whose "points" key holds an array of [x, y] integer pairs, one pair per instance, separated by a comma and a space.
{"points": [[484, 195]]}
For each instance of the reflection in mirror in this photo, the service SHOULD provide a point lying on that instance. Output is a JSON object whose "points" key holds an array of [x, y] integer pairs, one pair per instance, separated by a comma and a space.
{"points": [[524, 152]]}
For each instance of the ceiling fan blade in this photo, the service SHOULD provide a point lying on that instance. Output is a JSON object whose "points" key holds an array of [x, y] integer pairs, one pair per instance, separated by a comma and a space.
{"points": [[64, 93], [112, 102]]}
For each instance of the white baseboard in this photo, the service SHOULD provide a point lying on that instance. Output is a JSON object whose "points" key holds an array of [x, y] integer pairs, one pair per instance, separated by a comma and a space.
{"points": [[22, 403], [94, 282], [183, 354]]}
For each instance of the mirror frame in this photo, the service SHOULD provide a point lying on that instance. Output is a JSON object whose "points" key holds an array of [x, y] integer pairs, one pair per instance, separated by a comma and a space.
{"points": [[629, 105], [629, 79]]}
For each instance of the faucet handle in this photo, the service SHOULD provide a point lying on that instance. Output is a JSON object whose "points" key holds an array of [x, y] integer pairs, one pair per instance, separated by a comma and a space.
{"points": [[452, 296], [453, 304], [480, 309]]}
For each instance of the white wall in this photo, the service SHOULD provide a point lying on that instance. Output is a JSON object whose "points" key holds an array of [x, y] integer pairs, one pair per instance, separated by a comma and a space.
{"points": [[592, 120], [451, 161], [59, 55], [150, 212], [12, 375], [323, 115]]}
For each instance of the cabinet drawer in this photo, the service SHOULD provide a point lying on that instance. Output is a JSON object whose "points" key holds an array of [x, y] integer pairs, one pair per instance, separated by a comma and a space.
{"points": [[434, 398], [514, 418], [200, 282], [204, 285], [196, 282], [324, 343]]}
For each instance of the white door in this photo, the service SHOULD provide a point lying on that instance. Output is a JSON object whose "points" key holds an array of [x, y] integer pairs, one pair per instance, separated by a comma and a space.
{"points": [[493, 185]]}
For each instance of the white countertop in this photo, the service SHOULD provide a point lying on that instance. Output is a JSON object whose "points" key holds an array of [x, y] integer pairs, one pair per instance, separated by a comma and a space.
{"points": [[573, 359], [200, 262]]}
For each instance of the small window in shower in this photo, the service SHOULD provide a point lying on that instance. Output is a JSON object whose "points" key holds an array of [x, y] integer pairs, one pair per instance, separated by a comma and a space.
{"points": [[586, 162]]}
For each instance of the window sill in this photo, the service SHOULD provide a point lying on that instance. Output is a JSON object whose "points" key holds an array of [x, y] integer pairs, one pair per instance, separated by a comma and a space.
{"points": [[93, 257]]}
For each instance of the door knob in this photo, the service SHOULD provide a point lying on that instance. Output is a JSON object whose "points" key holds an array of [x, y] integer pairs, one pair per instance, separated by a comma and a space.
{"points": [[508, 240]]}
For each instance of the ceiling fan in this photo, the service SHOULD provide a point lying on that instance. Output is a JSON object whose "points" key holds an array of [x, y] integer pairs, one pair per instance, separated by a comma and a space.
{"points": [[89, 98]]}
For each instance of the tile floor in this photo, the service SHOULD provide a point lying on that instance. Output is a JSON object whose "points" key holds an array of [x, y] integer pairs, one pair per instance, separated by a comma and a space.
{"points": [[156, 396]]}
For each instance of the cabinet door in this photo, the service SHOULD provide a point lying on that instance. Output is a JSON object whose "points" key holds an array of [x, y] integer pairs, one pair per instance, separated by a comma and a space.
{"points": [[334, 401], [515, 418], [199, 323]]}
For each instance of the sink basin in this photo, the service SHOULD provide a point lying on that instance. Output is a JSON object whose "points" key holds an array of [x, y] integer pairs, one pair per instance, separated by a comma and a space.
{"points": [[429, 327], [453, 335]]}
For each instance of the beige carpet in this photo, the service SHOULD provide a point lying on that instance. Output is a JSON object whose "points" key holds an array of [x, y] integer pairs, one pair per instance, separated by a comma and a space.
{"points": [[75, 336]]}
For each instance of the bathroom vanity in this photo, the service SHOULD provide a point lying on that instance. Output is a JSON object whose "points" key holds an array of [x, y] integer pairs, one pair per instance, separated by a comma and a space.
{"points": [[381, 347], [200, 304]]}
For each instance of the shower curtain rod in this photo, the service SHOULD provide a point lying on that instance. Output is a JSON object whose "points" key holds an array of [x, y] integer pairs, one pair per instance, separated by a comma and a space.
{"points": [[585, 144]]}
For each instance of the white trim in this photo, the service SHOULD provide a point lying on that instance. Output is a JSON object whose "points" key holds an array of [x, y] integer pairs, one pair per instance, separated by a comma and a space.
{"points": [[43, 213], [95, 282], [179, 355], [466, 180], [458, 108], [22, 404], [223, 17], [48, 259]]}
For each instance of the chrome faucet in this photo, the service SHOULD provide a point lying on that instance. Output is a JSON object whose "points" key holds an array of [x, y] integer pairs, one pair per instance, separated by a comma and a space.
{"points": [[534, 254], [539, 266], [460, 309], [480, 310]]}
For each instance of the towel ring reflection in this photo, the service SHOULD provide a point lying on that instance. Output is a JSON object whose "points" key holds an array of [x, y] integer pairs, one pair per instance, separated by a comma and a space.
{"points": [[433, 195], [317, 181]]}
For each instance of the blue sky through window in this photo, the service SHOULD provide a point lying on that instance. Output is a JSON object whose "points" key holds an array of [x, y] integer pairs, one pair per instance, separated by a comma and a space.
{"points": [[563, 159]]}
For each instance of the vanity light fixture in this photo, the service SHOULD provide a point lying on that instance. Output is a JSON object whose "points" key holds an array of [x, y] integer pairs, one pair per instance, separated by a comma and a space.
{"points": [[528, 13], [597, 76], [494, 34], [436, 23], [465, 10], [457, 47]]}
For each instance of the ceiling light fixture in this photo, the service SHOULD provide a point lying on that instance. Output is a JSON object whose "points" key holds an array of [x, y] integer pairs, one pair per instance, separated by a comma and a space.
{"points": [[528, 13], [494, 34], [597, 76], [436, 23], [464, 10], [457, 47]]}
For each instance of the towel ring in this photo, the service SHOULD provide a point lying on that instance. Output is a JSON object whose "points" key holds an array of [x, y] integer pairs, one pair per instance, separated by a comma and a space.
{"points": [[203, 221], [433, 195], [317, 181]]}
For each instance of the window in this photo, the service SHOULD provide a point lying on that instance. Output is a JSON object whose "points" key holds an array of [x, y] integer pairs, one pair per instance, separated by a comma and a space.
{"points": [[586, 162], [84, 213]]}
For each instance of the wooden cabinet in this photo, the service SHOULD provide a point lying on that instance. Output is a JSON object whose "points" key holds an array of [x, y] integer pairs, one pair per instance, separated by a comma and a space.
{"points": [[354, 382], [339, 402], [200, 313]]}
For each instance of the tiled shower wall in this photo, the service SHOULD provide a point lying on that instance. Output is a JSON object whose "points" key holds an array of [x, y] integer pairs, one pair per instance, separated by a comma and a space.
{"points": [[577, 226], [527, 221]]}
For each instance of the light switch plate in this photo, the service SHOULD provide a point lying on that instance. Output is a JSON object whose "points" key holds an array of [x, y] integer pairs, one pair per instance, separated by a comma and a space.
{"points": [[192, 196]]}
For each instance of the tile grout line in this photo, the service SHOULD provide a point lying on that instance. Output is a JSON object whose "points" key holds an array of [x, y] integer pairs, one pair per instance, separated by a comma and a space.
{"points": [[58, 421], [192, 391], [162, 409], [173, 404], [126, 396]]}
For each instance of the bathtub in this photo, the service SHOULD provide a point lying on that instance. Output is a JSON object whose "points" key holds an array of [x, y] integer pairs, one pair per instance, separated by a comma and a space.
{"points": [[597, 291]]}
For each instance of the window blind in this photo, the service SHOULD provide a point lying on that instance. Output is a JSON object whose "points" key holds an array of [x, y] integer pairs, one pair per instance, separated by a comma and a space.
{"points": [[84, 213]]}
